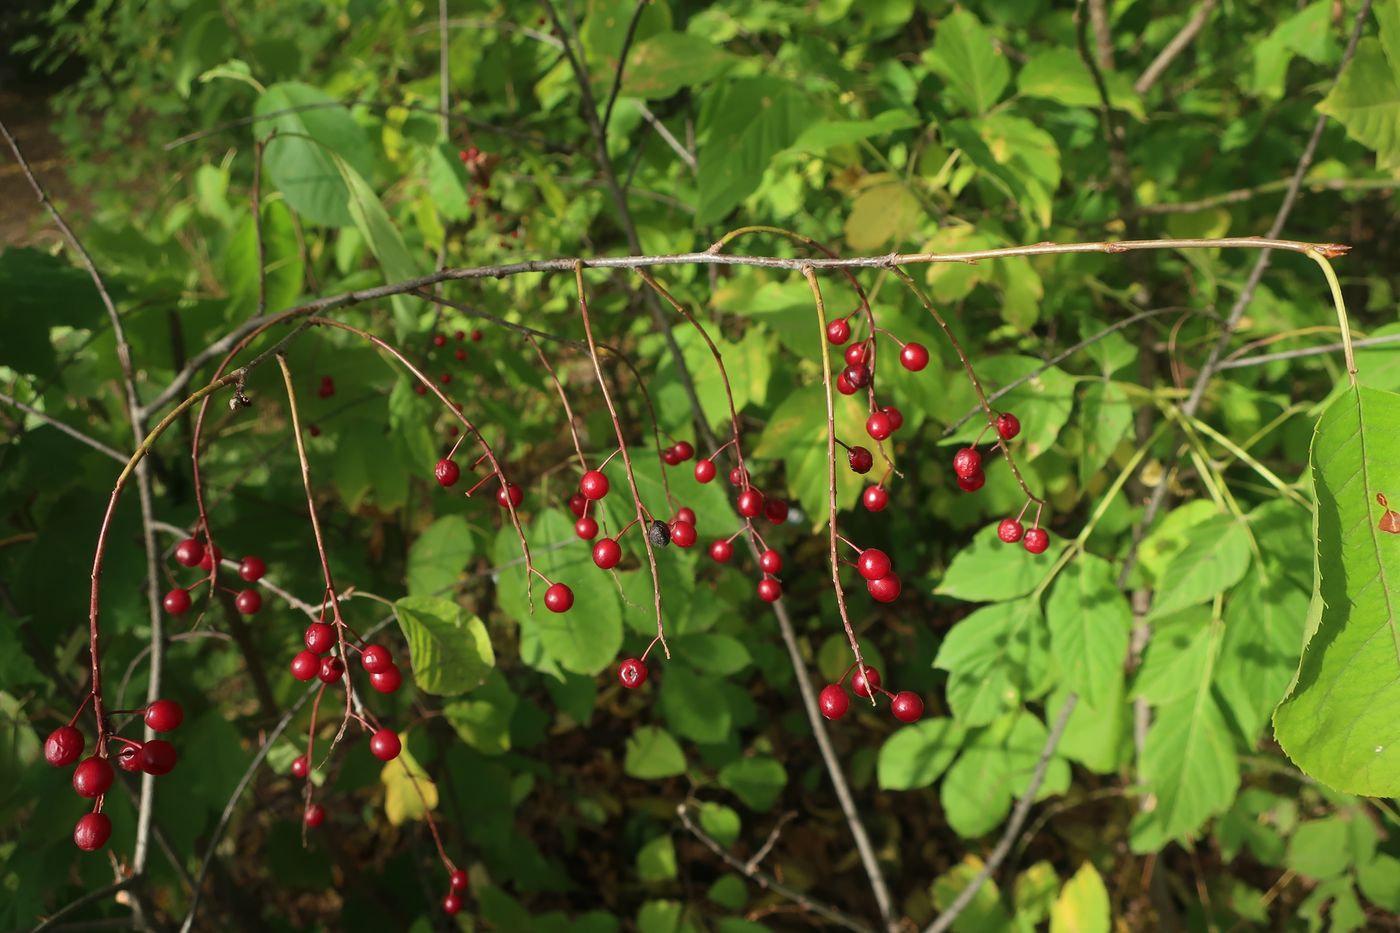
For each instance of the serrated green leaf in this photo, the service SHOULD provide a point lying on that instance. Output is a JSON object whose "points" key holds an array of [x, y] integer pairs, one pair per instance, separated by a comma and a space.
{"points": [[1089, 621], [1060, 75], [1366, 100], [748, 121], [988, 570], [996, 767], [659, 66], [965, 54], [1214, 558], [995, 658], [451, 652], [916, 755]]}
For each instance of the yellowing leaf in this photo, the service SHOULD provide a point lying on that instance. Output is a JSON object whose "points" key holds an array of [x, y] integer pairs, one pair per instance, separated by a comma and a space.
{"points": [[408, 791], [883, 212], [1082, 906]]}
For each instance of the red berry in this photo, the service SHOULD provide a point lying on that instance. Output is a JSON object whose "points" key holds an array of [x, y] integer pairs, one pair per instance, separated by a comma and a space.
{"points": [[510, 495], [769, 590], [670, 457], [92, 777], [838, 331], [387, 680], [885, 589], [129, 758], [385, 745], [460, 336], [966, 462], [458, 880], [1008, 426], [476, 336], [248, 602], [855, 353], [559, 598], [833, 701], [451, 904], [1010, 530], [738, 476], [314, 816], [375, 658], [1036, 541], [843, 385], [439, 340], [313, 430], [632, 673], [577, 504], [860, 459], [721, 551], [776, 510], [300, 766], [252, 569], [63, 746], [907, 707], [177, 601], [189, 552], [594, 485], [158, 757], [305, 665], [895, 415], [319, 637], [332, 669], [770, 561], [445, 378], [447, 473], [586, 528], [164, 715], [878, 426], [875, 498], [858, 375], [420, 389], [704, 470], [607, 553], [861, 684], [873, 563], [684, 450], [685, 514], [682, 533], [461, 355], [914, 356], [750, 503], [92, 831], [972, 483]]}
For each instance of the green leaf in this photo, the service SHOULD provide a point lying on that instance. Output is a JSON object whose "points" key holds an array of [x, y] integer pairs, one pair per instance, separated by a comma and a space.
{"points": [[748, 122], [483, 719], [383, 237], [1060, 75], [284, 265], [1366, 100], [409, 794], [1318, 848], [1214, 558], [652, 754], [996, 658], [720, 821], [1089, 621], [660, 66], [886, 210], [1337, 723], [1034, 892], [1263, 632], [1379, 880], [713, 654], [657, 860], [966, 55], [1082, 906], [1105, 417], [916, 755], [450, 650], [1181, 646], [796, 434], [825, 135], [757, 780], [448, 182], [989, 571], [984, 913], [996, 767], [302, 168], [689, 705], [437, 558]]}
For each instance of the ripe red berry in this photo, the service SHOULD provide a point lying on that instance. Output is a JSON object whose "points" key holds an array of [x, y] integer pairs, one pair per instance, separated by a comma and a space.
{"points": [[721, 551], [375, 658], [158, 757], [63, 746], [972, 483], [319, 637], [189, 552], [873, 563], [776, 510], [885, 589], [670, 457], [684, 450], [248, 602], [770, 561], [476, 336], [855, 353], [682, 533], [385, 745], [875, 498], [211, 557], [685, 514], [445, 378], [460, 335], [1036, 540], [750, 503], [861, 684], [833, 701], [1010, 530], [439, 340], [860, 459], [907, 707], [858, 375], [966, 462], [420, 389], [559, 598], [314, 816], [387, 680], [252, 569], [632, 673], [594, 485], [510, 495], [177, 601], [300, 766], [1008, 426], [838, 331], [607, 553], [878, 426], [460, 355], [586, 528], [129, 758], [447, 472], [914, 356], [451, 904], [92, 777], [92, 831], [769, 590], [164, 715], [895, 415], [332, 669], [704, 470], [305, 664], [843, 385], [458, 880], [577, 504], [738, 476]]}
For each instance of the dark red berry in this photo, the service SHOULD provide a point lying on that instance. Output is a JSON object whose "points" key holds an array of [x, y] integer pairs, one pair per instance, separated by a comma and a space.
{"points": [[860, 459], [685, 514], [460, 335], [210, 558], [682, 533], [594, 485], [319, 638], [385, 745], [63, 746], [769, 590], [776, 510], [873, 563], [833, 701], [1008, 426], [684, 450], [177, 601], [252, 569], [875, 498], [158, 757], [420, 389], [92, 831], [632, 673], [966, 462], [914, 356], [770, 561], [445, 378], [314, 816], [721, 551], [164, 715], [387, 680], [861, 683], [476, 336], [670, 457], [458, 880], [885, 589], [607, 553], [838, 331], [248, 602], [461, 355], [510, 496], [586, 528], [305, 665], [1010, 530], [129, 758], [750, 503], [1036, 540], [451, 904], [559, 598], [189, 552], [738, 476], [92, 777], [704, 470], [375, 658], [895, 415], [858, 375], [313, 430], [447, 473], [439, 340], [300, 766], [843, 385], [878, 426], [907, 707], [972, 483], [855, 353], [332, 669], [577, 504]]}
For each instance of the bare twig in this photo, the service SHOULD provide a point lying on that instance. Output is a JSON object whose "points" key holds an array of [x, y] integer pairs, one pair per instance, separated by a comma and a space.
{"points": [[1269, 187], [1175, 47], [91, 897], [1304, 352], [72, 432], [683, 153]]}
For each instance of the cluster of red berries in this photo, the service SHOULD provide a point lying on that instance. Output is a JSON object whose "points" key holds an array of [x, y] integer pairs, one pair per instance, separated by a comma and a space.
{"points": [[859, 371], [327, 388], [833, 701], [439, 342], [316, 661], [967, 466], [191, 553], [457, 882], [93, 776]]}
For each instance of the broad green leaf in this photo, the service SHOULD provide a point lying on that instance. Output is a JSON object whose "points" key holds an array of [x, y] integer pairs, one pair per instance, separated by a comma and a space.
{"points": [[1089, 621], [1033, 156], [984, 913], [1170, 536], [408, 791], [652, 754], [1043, 403], [1379, 880], [284, 266], [303, 168], [713, 654], [720, 821], [885, 211], [996, 767], [373, 223], [987, 570], [660, 66], [1082, 906], [965, 54], [746, 123], [688, 702], [757, 780], [824, 135], [1105, 417], [450, 650], [1318, 849], [483, 719], [1215, 557], [1336, 724], [448, 182], [436, 559], [656, 861], [1366, 100], [1263, 631], [996, 658], [1180, 648], [916, 755], [1034, 893], [1060, 75], [1097, 737]]}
